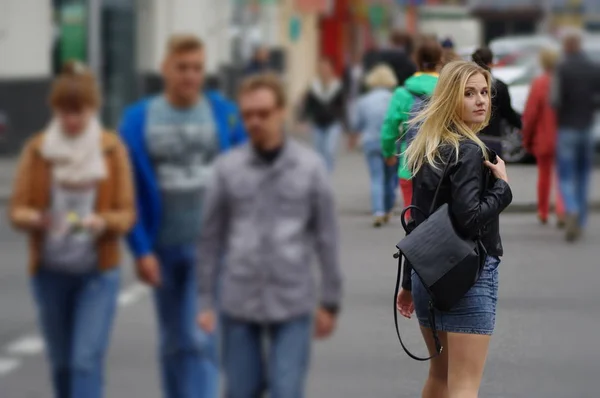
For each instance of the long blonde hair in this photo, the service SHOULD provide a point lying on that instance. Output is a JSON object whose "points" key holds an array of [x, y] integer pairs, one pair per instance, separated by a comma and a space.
{"points": [[441, 119]]}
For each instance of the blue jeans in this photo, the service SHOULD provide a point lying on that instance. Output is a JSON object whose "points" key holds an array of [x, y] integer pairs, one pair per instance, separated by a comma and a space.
{"points": [[76, 313], [249, 373], [188, 355], [575, 151], [384, 180], [326, 142]]}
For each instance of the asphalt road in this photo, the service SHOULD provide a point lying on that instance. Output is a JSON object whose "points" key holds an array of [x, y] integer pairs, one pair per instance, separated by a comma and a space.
{"points": [[545, 344]]}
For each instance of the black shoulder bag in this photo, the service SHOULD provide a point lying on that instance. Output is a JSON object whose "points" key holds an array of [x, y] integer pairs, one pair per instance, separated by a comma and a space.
{"points": [[447, 263]]}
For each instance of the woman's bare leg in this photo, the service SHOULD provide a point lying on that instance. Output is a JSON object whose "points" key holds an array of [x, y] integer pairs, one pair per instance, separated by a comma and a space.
{"points": [[467, 354], [436, 385]]}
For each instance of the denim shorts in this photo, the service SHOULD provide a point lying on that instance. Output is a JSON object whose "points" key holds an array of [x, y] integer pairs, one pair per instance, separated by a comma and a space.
{"points": [[475, 313]]}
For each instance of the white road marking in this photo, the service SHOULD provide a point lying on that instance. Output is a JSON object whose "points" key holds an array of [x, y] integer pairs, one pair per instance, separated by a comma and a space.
{"points": [[132, 294], [28, 345], [33, 344], [8, 365]]}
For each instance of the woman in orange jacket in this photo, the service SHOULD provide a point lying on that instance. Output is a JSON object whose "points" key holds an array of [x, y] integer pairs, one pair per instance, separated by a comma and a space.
{"points": [[73, 197], [539, 135]]}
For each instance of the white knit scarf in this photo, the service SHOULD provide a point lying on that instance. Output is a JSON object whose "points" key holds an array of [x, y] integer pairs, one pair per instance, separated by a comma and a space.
{"points": [[78, 159]]}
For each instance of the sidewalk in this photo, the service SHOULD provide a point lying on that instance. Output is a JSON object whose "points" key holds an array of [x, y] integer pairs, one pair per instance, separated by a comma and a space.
{"points": [[351, 184]]}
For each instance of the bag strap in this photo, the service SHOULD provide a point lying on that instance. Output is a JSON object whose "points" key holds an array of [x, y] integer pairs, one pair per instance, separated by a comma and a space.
{"points": [[399, 256], [437, 189], [436, 338]]}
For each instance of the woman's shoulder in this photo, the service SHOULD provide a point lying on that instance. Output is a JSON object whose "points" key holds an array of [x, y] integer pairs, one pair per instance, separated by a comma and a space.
{"points": [[470, 148], [110, 140], [34, 143], [36, 140], [469, 154], [375, 96], [466, 147], [542, 82], [110, 136]]}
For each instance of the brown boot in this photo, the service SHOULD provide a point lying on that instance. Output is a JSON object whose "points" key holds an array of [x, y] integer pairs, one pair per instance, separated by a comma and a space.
{"points": [[387, 218], [378, 221]]}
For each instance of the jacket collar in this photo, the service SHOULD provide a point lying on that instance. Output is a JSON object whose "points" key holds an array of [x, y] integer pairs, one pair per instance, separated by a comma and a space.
{"points": [[325, 94], [286, 158]]}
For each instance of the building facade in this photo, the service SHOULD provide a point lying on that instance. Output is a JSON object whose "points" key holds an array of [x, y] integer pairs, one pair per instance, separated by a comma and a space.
{"points": [[26, 41], [123, 41]]}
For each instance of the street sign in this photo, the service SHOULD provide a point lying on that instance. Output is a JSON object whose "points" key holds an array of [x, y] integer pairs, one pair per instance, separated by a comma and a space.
{"points": [[73, 33]]}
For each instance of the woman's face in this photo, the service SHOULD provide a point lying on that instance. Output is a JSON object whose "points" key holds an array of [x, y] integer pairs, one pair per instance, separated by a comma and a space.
{"points": [[74, 121], [476, 100]]}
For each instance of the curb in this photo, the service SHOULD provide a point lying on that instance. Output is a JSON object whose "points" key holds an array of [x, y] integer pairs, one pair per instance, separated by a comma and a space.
{"points": [[515, 208], [532, 208]]}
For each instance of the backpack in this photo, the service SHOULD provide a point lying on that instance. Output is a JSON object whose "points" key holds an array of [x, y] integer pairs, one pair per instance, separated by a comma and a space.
{"points": [[419, 102]]}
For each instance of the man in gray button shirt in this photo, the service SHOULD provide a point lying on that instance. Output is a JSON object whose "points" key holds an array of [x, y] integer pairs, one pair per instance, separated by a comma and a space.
{"points": [[268, 209]]}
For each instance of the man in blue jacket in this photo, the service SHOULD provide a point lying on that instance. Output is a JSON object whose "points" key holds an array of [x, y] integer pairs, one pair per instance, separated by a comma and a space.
{"points": [[173, 140]]}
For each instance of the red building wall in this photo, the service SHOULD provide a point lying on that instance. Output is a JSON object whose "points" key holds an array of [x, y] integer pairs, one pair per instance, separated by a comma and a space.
{"points": [[333, 33]]}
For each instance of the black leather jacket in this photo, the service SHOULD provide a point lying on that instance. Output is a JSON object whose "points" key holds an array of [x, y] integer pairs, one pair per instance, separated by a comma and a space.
{"points": [[476, 198]]}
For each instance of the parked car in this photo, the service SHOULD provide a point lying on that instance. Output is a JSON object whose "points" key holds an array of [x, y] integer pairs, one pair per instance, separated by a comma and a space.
{"points": [[508, 49]]}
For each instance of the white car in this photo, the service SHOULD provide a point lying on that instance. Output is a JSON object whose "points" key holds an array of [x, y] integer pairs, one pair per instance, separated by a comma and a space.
{"points": [[510, 45]]}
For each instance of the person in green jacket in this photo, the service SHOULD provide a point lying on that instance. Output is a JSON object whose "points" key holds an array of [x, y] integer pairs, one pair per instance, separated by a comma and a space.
{"points": [[422, 83]]}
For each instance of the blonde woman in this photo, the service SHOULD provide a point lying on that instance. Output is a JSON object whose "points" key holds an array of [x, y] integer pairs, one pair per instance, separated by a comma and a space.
{"points": [[476, 187], [367, 120]]}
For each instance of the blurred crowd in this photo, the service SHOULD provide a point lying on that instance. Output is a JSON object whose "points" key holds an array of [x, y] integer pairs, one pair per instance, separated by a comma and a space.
{"points": [[223, 210]]}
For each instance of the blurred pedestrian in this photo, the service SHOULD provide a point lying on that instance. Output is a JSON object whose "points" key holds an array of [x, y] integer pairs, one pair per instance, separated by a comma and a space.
{"points": [[459, 108], [269, 207], [448, 52], [397, 56], [502, 109], [353, 86], [574, 93], [367, 120], [324, 109], [259, 62], [406, 103], [173, 139], [73, 196], [539, 135]]}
